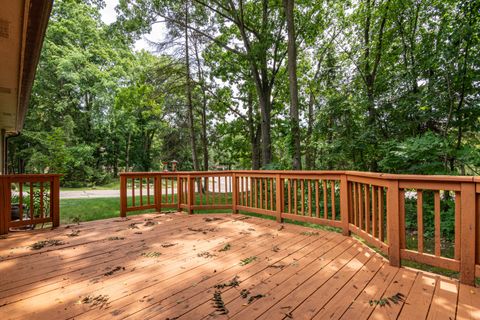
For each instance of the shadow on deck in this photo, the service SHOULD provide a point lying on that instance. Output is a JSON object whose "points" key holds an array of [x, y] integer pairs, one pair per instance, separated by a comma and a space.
{"points": [[164, 266]]}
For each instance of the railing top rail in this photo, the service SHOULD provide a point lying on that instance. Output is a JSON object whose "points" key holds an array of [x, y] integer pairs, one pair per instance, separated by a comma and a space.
{"points": [[386, 176], [30, 175]]}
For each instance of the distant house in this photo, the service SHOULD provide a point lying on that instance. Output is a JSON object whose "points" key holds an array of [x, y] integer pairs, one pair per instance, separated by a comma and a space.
{"points": [[22, 30]]}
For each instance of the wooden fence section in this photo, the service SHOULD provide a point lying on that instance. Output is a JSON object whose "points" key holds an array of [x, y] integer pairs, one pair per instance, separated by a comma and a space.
{"points": [[432, 220], [29, 200]]}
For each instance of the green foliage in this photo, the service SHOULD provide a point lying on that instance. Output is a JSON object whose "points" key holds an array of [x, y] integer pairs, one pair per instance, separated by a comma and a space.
{"points": [[248, 260], [46, 243], [422, 155], [383, 86]]}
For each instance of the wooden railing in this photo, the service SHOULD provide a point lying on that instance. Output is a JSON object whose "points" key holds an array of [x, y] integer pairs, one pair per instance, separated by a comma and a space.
{"points": [[29, 200], [432, 220]]}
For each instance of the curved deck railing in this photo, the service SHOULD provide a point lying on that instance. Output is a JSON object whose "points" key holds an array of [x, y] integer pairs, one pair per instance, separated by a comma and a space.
{"points": [[371, 205]]}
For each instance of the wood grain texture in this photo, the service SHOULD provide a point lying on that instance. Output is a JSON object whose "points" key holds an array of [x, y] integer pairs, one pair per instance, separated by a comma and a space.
{"points": [[298, 271]]}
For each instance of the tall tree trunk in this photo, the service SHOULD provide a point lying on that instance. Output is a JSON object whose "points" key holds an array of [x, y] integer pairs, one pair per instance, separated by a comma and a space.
{"points": [[309, 157], [370, 70], [191, 123], [293, 86], [263, 84], [310, 150], [201, 79], [265, 110], [254, 134], [204, 133]]}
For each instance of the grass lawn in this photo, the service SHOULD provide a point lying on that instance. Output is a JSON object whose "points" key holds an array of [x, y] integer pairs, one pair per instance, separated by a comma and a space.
{"points": [[77, 210]]}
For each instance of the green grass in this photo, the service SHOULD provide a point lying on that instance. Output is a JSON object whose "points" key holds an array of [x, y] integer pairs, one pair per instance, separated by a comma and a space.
{"points": [[72, 210], [77, 210]]}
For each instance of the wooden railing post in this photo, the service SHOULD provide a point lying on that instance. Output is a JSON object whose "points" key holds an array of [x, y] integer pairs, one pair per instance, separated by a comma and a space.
{"points": [[234, 193], [278, 197], [157, 192], [190, 194], [55, 195], [344, 205], [179, 193], [468, 233], [4, 211], [123, 196], [393, 223]]}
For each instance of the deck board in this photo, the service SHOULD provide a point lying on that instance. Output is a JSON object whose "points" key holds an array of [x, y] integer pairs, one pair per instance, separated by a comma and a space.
{"points": [[300, 273]]}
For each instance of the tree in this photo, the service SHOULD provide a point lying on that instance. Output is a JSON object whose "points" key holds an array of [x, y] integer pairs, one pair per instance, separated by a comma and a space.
{"points": [[293, 87]]}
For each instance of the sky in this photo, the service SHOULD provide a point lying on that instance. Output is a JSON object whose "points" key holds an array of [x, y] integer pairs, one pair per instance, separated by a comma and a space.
{"points": [[109, 15]]}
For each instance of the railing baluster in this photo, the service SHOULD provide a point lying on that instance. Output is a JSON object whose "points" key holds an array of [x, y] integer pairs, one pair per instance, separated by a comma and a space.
{"points": [[141, 190], [367, 208], [278, 193], [420, 221], [374, 212], [271, 195], [332, 187], [219, 194], [437, 223], [32, 203], [325, 201], [289, 196], [295, 195], [302, 191], [41, 200], [458, 222], [266, 192], [180, 192], [235, 194], [401, 211], [172, 197], [148, 191], [350, 202], [242, 187], [355, 203], [20, 200], [157, 192], [255, 195], [309, 197], [260, 181], [133, 192], [227, 189], [361, 205], [381, 213]]}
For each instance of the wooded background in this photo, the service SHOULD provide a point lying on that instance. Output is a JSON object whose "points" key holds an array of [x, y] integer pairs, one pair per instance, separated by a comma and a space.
{"points": [[376, 85]]}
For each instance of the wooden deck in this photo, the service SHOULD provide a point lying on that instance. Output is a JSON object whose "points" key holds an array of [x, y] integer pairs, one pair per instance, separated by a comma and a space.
{"points": [[166, 266]]}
